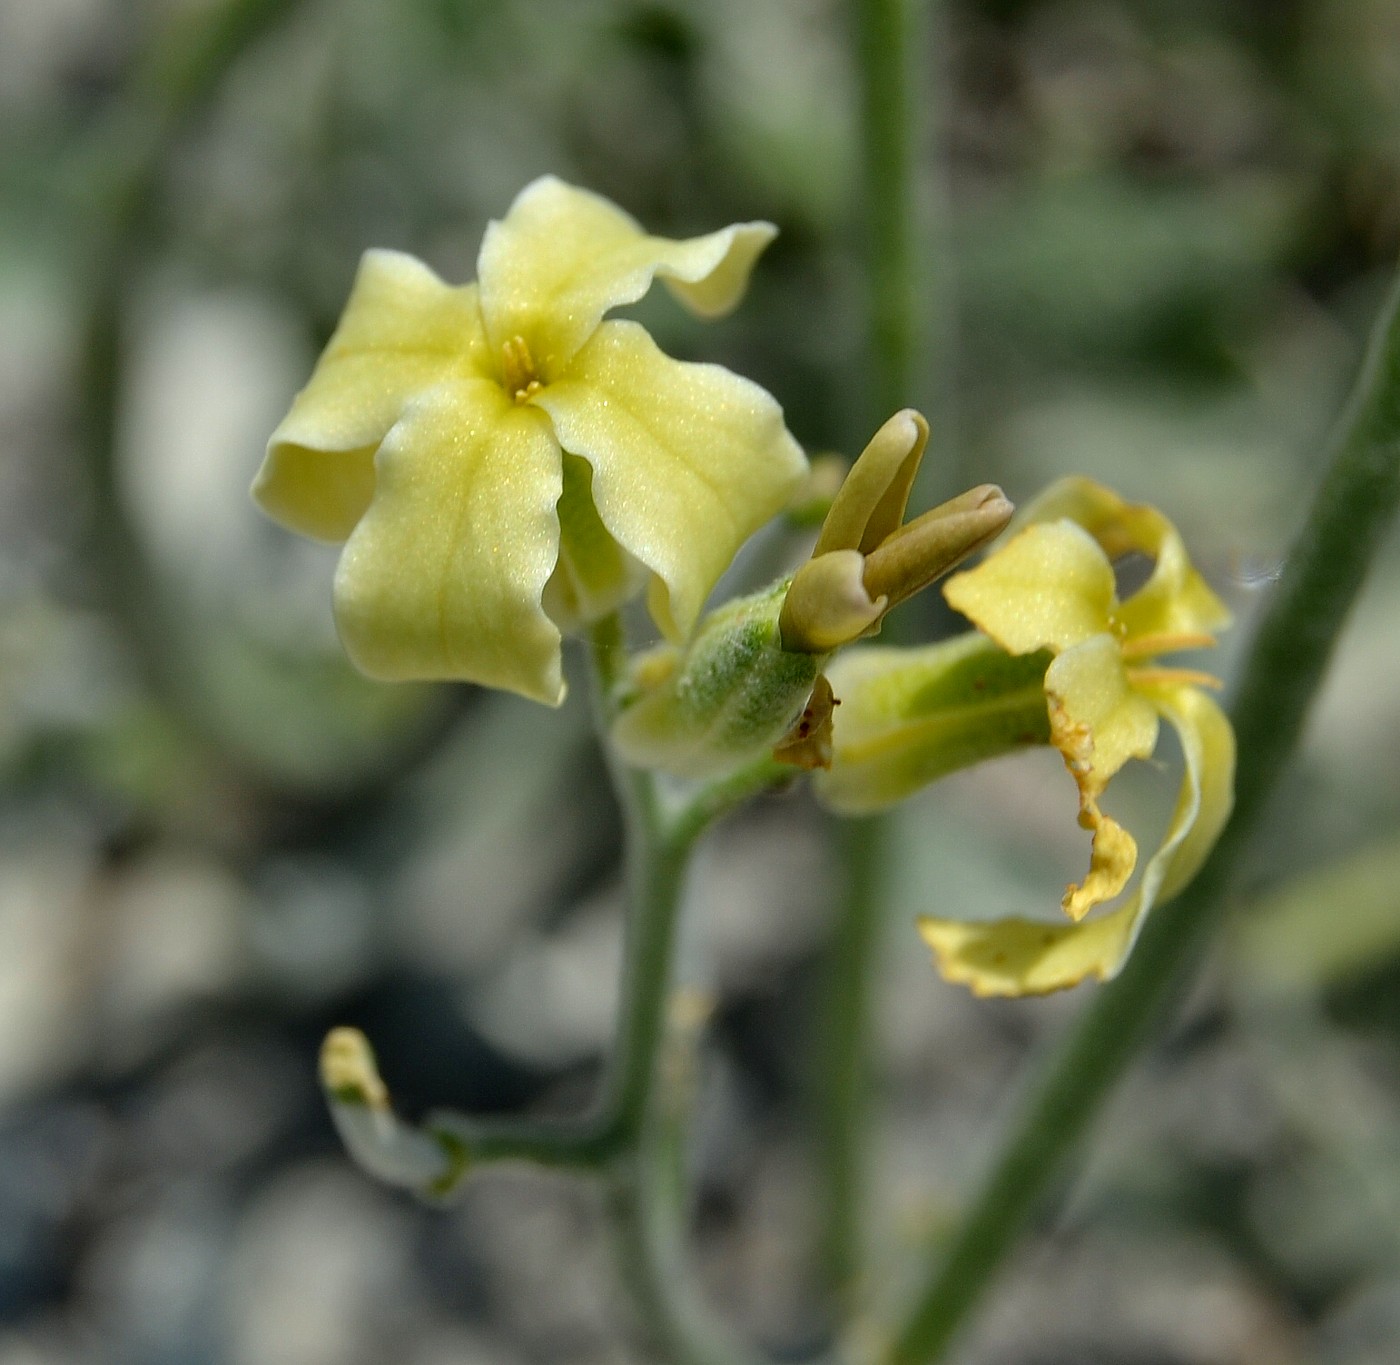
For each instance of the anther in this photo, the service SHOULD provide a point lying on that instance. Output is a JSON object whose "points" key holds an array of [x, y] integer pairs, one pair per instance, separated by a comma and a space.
{"points": [[518, 369]]}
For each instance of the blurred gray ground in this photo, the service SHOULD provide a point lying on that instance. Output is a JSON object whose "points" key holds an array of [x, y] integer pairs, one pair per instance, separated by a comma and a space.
{"points": [[1163, 228]]}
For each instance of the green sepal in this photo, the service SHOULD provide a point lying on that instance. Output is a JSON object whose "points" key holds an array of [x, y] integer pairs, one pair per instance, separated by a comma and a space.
{"points": [[725, 700], [910, 716], [593, 575]]}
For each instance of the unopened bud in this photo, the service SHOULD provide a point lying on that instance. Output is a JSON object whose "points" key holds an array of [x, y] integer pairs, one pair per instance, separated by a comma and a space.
{"points": [[728, 699], [866, 559], [828, 604], [870, 505], [929, 546]]}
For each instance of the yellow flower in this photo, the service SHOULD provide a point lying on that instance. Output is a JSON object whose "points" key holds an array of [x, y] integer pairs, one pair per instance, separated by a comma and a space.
{"points": [[502, 463], [1052, 588]]}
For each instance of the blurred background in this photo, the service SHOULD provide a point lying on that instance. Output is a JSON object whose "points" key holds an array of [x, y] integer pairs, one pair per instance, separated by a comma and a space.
{"points": [[1160, 230]]}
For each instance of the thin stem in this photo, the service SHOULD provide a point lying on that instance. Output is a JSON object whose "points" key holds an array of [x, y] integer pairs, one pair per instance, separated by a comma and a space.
{"points": [[657, 858], [889, 39], [852, 953], [656, 874], [1350, 515], [889, 36], [716, 800], [646, 1166]]}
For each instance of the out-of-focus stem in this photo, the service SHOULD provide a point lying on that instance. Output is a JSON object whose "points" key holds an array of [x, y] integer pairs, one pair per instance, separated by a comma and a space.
{"points": [[1351, 513], [638, 1135], [890, 36], [890, 40], [846, 1061]]}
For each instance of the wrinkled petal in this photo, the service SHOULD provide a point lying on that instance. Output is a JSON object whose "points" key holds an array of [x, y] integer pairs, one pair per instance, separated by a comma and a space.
{"points": [[1097, 720], [562, 257], [1175, 601], [907, 717], [688, 460], [442, 577], [1048, 588], [403, 331], [870, 503], [808, 744], [1207, 794], [1025, 957], [1098, 723]]}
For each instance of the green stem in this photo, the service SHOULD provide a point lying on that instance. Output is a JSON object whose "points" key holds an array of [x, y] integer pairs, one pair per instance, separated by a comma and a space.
{"points": [[643, 1150], [657, 858], [889, 35], [1352, 511], [852, 953]]}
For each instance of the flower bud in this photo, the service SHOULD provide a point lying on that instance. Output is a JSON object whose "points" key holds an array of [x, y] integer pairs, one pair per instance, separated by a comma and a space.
{"points": [[866, 560], [732, 695]]}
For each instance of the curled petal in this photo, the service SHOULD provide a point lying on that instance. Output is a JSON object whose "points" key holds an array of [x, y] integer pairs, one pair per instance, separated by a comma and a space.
{"points": [[688, 460], [1098, 722], [827, 605], [1207, 793], [561, 257], [442, 578], [1175, 601], [403, 330], [1111, 863], [1025, 957], [870, 503], [1048, 588]]}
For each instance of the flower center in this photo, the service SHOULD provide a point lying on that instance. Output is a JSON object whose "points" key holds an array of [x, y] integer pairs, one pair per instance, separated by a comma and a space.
{"points": [[518, 372]]}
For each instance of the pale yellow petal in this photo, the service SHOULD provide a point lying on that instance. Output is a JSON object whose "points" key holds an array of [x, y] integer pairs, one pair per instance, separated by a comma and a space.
{"points": [[1024, 957], [1176, 600], [1048, 588], [403, 331], [1027, 957], [1206, 796], [688, 460], [442, 578], [562, 257], [1098, 722]]}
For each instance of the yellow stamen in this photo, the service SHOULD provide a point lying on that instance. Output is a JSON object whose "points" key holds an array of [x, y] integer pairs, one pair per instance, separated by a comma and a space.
{"points": [[1146, 646], [1172, 677], [518, 372]]}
